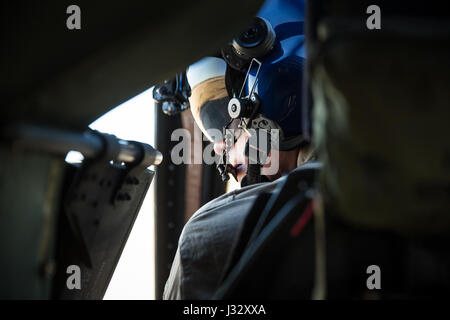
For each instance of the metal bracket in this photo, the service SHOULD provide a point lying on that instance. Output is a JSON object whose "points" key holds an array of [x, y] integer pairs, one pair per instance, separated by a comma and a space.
{"points": [[102, 185]]}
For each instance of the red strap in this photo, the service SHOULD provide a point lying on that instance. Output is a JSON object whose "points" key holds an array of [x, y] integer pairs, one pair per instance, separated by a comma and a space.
{"points": [[302, 221]]}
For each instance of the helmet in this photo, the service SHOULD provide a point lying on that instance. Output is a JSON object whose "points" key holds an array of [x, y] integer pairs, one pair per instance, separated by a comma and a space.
{"points": [[257, 77], [275, 40], [266, 60]]}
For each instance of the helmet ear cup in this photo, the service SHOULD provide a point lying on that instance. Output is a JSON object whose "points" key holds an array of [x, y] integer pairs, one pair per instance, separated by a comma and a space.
{"points": [[285, 78]]}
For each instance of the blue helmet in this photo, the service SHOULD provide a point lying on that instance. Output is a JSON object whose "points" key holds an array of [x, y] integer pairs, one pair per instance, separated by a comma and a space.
{"points": [[256, 79], [264, 64], [272, 49]]}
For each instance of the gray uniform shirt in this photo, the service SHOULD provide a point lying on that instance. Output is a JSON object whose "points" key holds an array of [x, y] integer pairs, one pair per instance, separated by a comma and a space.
{"points": [[206, 243]]}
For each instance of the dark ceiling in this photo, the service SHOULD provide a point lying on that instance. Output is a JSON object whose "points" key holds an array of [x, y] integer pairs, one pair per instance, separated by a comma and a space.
{"points": [[68, 78]]}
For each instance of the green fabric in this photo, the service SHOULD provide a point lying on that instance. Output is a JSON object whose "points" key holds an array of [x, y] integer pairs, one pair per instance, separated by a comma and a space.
{"points": [[381, 112], [29, 195]]}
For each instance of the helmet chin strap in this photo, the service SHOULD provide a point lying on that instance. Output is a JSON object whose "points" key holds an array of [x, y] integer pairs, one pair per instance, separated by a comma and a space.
{"points": [[253, 175], [254, 169]]}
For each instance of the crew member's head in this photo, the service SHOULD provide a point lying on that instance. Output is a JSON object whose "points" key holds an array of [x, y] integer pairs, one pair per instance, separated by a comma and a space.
{"points": [[254, 88]]}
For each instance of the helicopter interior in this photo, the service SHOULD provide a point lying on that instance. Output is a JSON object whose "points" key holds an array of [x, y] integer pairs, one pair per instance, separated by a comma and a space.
{"points": [[379, 124]]}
